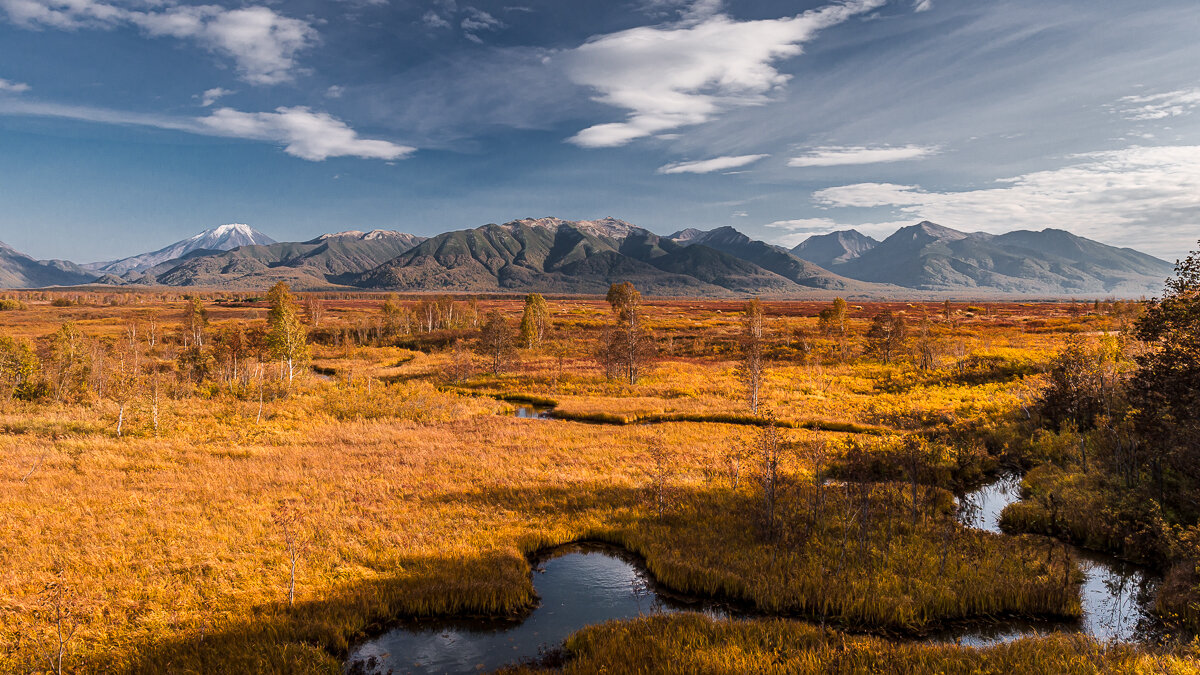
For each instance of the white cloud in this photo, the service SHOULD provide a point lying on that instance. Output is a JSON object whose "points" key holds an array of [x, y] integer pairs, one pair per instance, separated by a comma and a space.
{"points": [[840, 156], [335, 91], [710, 165], [1145, 197], [478, 20], [688, 72], [210, 96], [262, 43], [1160, 106], [434, 20], [922, 5], [306, 134], [10, 87], [803, 228]]}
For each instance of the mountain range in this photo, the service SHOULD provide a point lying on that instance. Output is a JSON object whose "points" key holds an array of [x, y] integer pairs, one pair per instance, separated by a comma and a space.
{"points": [[586, 256]]}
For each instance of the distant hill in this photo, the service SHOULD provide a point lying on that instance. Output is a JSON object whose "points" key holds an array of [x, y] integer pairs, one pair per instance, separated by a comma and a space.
{"points": [[586, 256], [223, 238], [551, 254], [769, 257], [834, 248], [18, 270], [318, 263], [930, 257]]}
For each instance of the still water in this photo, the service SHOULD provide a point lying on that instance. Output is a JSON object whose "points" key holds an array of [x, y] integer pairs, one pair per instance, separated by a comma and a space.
{"points": [[588, 584]]}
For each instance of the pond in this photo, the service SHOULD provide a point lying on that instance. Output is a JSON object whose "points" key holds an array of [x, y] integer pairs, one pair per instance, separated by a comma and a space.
{"points": [[1116, 595], [582, 585], [533, 412]]}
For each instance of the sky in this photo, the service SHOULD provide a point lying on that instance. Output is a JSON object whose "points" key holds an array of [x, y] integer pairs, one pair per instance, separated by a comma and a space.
{"points": [[126, 125]]}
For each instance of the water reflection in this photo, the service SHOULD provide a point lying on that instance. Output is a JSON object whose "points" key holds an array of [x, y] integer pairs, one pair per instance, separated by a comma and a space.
{"points": [[1115, 596], [581, 587]]}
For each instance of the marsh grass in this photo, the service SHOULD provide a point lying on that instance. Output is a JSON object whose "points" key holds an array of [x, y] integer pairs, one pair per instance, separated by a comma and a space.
{"points": [[690, 643]]}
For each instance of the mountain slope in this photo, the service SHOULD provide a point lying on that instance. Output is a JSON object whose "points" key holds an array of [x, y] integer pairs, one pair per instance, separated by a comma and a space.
{"points": [[18, 270], [223, 238], [827, 250], [768, 257], [927, 256], [551, 254], [317, 263]]}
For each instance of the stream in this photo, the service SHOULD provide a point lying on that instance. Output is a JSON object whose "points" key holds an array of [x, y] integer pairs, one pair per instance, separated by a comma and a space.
{"points": [[585, 584]]}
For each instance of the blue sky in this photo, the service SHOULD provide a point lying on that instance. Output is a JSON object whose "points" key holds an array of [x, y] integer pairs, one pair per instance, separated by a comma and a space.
{"points": [[128, 124]]}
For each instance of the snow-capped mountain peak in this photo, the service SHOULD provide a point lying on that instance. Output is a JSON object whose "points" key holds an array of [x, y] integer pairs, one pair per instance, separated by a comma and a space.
{"points": [[221, 238]]}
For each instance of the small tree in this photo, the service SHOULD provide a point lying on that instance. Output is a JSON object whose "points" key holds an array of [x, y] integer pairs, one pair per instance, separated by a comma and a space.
{"points": [[832, 320], [295, 541], [886, 335], [751, 369], [460, 362], [1165, 389], [396, 317], [628, 347], [195, 321], [19, 369], [496, 341], [535, 321], [314, 307], [124, 380], [768, 451], [68, 362], [286, 335], [661, 468]]}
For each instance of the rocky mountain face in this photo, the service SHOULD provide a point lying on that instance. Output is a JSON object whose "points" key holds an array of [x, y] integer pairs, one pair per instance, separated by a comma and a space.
{"points": [[319, 263], [834, 248], [550, 254], [586, 256], [930, 257], [223, 238], [18, 270]]}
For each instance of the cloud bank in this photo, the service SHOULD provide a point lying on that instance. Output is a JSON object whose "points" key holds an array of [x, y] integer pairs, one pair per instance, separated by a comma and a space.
{"points": [[1146, 197], [303, 133], [262, 43], [688, 72]]}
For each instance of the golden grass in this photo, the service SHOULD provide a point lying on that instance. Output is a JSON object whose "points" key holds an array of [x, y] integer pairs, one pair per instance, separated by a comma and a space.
{"points": [[689, 643], [418, 500]]}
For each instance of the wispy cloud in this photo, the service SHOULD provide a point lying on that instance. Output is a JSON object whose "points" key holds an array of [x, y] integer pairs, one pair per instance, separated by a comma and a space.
{"points": [[1160, 106], [314, 136], [303, 133], [261, 42], [432, 19], [1146, 197], [688, 72], [922, 5], [211, 96], [10, 87], [710, 165], [846, 155]]}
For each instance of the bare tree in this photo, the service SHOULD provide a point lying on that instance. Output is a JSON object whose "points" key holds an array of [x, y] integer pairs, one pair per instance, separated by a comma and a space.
{"points": [[751, 368], [291, 526], [61, 610], [769, 450], [314, 307], [660, 477], [496, 341], [460, 361]]}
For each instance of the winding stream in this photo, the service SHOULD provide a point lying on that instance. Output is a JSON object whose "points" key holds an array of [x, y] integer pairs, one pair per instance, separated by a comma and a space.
{"points": [[581, 585]]}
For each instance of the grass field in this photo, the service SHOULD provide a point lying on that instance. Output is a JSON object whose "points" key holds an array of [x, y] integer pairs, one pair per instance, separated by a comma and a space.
{"points": [[400, 489]]}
